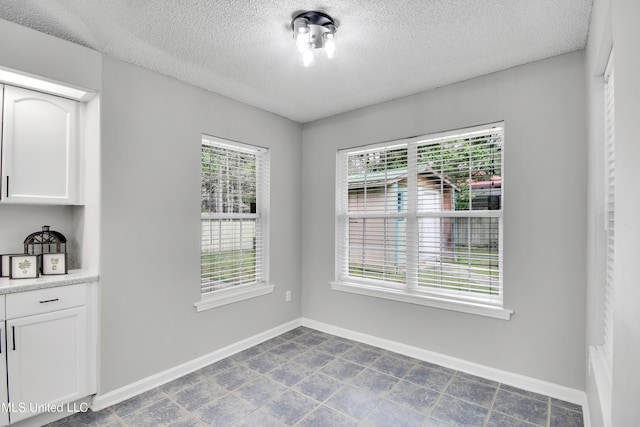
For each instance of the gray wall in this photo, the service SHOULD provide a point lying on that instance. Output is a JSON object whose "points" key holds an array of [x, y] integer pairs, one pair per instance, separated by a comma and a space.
{"points": [[18, 221], [33, 52], [150, 223], [543, 106]]}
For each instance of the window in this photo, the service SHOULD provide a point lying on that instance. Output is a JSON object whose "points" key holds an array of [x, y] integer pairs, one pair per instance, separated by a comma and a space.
{"points": [[420, 220], [234, 222], [601, 354]]}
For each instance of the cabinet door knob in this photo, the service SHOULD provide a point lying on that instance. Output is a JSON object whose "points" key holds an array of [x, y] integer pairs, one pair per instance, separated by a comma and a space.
{"points": [[13, 337]]}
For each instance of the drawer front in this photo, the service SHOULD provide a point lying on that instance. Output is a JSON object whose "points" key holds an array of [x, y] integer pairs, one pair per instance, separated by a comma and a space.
{"points": [[28, 303], [2, 315]]}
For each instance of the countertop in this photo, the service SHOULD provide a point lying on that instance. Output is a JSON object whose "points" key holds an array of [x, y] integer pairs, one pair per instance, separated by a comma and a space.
{"points": [[9, 286]]}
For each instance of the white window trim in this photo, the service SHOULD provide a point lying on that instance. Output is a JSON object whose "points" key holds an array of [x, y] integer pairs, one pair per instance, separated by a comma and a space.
{"points": [[426, 300], [231, 295], [407, 295], [235, 294]]}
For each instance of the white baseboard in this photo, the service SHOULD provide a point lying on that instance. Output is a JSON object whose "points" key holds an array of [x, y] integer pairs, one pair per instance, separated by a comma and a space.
{"points": [[516, 380], [101, 401]]}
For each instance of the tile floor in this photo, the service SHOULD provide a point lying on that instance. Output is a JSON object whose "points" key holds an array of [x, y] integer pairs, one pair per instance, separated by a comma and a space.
{"points": [[308, 378]]}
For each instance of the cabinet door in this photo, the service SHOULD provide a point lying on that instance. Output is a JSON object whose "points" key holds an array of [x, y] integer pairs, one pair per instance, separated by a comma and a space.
{"points": [[38, 148], [47, 360], [4, 398]]}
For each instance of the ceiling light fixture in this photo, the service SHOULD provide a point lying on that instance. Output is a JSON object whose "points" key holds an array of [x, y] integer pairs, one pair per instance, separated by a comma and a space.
{"points": [[314, 30]]}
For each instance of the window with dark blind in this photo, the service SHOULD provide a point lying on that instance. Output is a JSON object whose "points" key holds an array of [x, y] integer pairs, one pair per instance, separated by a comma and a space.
{"points": [[422, 217], [233, 219]]}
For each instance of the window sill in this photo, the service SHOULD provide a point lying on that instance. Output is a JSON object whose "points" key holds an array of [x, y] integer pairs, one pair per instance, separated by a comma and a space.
{"points": [[231, 295], [427, 300]]}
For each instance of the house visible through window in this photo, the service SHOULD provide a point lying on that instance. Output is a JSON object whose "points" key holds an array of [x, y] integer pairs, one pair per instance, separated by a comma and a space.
{"points": [[423, 217], [233, 224]]}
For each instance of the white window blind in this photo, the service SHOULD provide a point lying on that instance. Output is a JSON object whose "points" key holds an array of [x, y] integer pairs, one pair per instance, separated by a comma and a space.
{"points": [[424, 215], [234, 204], [609, 204]]}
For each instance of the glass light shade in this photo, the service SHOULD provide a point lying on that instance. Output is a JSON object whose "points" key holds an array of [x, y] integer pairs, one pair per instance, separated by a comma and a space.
{"points": [[300, 26]]}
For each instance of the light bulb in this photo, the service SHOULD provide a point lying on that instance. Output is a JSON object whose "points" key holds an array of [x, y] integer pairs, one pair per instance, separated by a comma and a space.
{"points": [[330, 47], [307, 57]]}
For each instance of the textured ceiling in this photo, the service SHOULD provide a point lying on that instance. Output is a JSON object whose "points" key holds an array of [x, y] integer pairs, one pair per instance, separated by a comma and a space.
{"points": [[386, 49]]}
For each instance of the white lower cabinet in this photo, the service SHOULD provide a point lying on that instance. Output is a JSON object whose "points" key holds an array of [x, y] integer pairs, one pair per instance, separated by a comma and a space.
{"points": [[47, 346], [4, 396]]}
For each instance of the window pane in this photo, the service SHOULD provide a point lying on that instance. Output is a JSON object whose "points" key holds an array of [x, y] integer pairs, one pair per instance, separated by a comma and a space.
{"points": [[233, 176], [377, 248], [466, 172], [377, 181], [228, 180], [459, 254], [228, 254]]}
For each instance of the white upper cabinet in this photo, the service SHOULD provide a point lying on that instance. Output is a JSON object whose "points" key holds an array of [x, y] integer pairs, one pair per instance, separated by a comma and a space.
{"points": [[39, 148]]}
